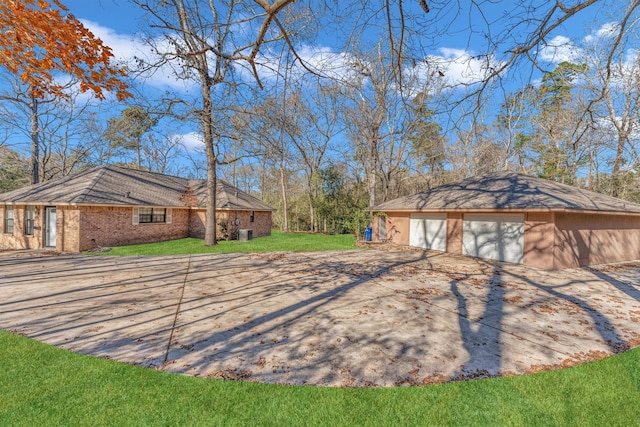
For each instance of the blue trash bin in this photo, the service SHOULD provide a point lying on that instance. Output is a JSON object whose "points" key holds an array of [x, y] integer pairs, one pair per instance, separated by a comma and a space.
{"points": [[367, 234]]}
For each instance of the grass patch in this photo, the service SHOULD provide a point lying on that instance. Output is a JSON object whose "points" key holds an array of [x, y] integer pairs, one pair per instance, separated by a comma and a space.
{"points": [[277, 242], [44, 385]]}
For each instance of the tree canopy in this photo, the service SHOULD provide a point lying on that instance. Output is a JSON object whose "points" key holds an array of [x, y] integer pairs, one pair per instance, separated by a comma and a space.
{"points": [[40, 39]]}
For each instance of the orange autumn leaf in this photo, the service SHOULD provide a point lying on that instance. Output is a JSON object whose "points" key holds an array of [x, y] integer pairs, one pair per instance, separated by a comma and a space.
{"points": [[40, 38]]}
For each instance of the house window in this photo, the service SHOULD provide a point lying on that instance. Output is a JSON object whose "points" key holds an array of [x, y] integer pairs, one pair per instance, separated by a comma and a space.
{"points": [[8, 220], [149, 215], [29, 214], [252, 216]]}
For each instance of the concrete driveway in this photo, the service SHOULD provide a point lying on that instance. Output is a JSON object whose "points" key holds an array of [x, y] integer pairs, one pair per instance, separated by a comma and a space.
{"points": [[350, 318]]}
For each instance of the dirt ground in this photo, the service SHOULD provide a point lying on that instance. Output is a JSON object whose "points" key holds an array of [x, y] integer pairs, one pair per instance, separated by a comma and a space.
{"points": [[349, 318]]}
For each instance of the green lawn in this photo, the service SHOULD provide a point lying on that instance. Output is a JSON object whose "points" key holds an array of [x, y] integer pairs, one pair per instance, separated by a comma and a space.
{"points": [[277, 242], [43, 385]]}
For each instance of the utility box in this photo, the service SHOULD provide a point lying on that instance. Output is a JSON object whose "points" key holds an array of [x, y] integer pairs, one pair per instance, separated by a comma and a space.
{"points": [[245, 235]]}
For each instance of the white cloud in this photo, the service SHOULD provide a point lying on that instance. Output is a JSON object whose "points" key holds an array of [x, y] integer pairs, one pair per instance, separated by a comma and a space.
{"points": [[319, 59], [608, 29], [126, 48], [460, 67], [192, 141], [323, 60], [452, 68], [560, 49]]}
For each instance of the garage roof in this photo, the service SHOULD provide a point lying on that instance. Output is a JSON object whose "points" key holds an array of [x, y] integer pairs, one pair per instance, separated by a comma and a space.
{"points": [[508, 191], [118, 186]]}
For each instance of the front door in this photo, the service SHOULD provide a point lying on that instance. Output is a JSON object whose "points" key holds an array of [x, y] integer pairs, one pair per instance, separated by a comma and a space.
{"points": [[50, 226]]}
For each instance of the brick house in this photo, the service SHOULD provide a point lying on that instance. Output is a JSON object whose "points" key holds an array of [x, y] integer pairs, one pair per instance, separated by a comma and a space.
{"points": [[515, 218], [112, 206]]}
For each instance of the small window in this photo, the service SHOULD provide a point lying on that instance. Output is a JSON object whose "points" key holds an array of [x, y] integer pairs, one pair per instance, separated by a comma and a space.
{"points": [[29, 214], [252, 216], [149, 215], [8, 220]]}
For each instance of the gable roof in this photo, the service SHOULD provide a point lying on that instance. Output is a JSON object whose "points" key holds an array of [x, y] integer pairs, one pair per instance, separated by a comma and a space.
{"points": [[118, 186], [508, 191]]}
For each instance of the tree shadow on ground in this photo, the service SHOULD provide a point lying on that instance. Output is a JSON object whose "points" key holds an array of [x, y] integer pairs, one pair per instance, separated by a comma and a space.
{"points": [[318, 318]]}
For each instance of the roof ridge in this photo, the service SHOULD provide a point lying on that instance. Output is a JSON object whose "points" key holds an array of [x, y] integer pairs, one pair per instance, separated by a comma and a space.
{"points": [[99, 172], [508, 190], [227, 184], [223, 191], [141, 171], [576, 188]]}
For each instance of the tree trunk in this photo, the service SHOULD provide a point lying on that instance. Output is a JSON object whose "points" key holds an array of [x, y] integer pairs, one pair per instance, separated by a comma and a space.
{"points": [[373, 165], [312, 216], [35, 140], [207, 129], [617, 165], [285, 208]]}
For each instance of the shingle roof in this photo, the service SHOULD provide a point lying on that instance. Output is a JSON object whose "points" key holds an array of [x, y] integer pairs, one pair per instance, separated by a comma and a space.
{"points": [[113, 185], [509, 191]]}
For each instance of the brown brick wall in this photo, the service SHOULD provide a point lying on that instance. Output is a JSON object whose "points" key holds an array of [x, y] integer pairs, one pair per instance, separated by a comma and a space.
{"points": [[595, 239], [196, 223], [551, 240], [67, 229], [539, 240], [18, 240], [455, 226], [261, 224], [396, 228], [113, 226]]}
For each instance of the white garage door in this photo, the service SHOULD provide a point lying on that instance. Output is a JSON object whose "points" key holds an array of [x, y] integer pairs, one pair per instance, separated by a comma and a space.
{"points": [[428, 231], [494, 236]]}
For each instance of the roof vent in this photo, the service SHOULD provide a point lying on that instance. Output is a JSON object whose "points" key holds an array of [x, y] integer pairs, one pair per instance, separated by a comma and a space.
{"points": [[126, 194]]}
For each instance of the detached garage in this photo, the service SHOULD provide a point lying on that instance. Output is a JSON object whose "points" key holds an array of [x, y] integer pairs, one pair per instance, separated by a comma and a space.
{"points": [[515, 218]]}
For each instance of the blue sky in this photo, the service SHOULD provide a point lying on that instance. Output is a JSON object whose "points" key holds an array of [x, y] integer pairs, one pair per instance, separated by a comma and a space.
{"points": [[456, 53], [117, 22]]}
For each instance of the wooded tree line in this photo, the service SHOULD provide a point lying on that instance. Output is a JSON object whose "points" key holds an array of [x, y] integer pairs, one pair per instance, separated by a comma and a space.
{"points": [[322, 138]]}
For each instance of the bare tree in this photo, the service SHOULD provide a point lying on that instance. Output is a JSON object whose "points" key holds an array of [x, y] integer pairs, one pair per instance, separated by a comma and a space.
{"points": [[202, 40], [615, 81], [30, 106], [66, 139], [377, 120], [160, 152], [263, 129], [310, 121]]}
